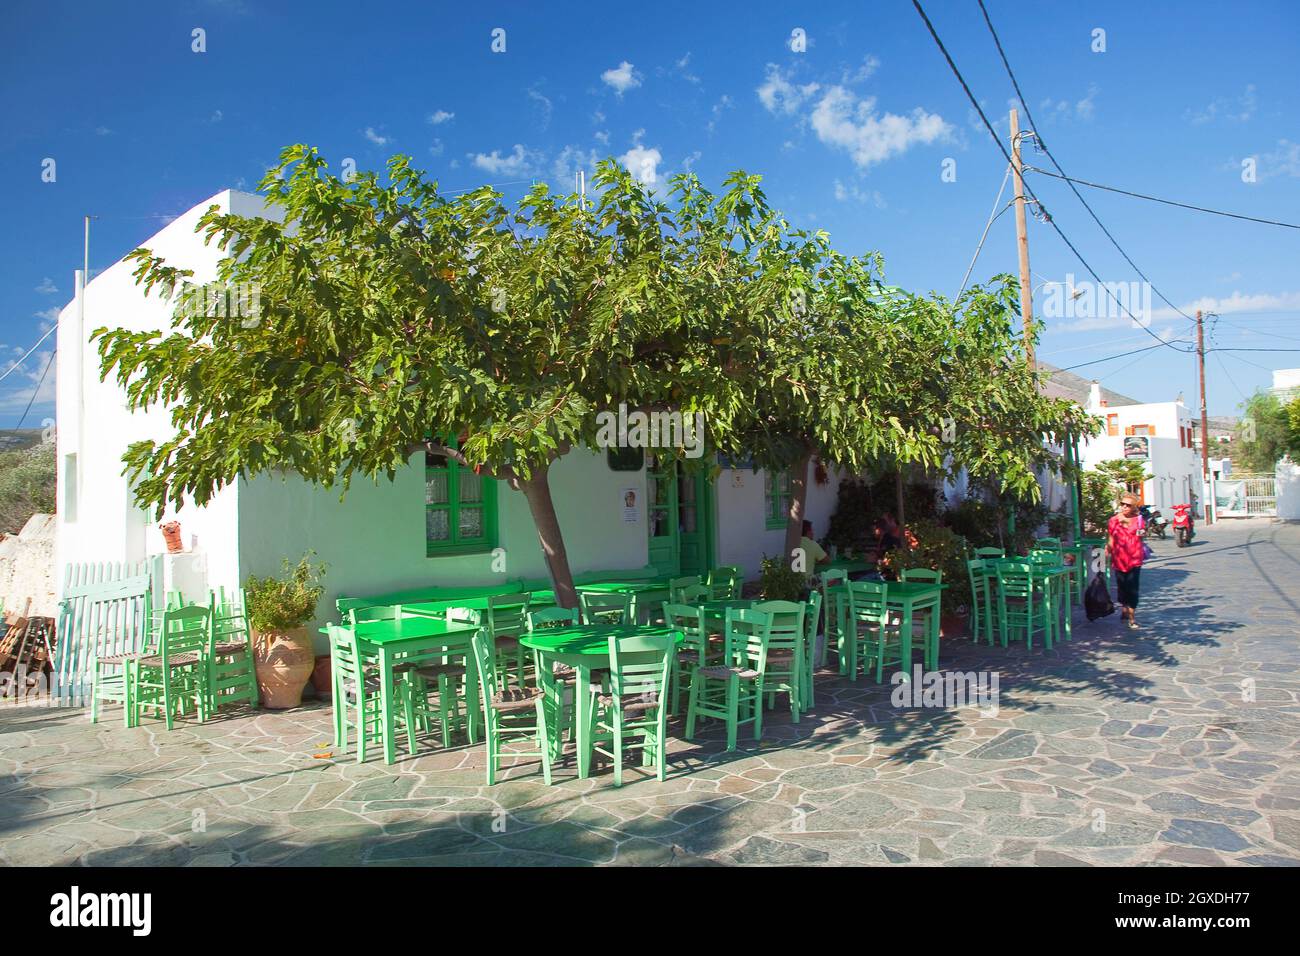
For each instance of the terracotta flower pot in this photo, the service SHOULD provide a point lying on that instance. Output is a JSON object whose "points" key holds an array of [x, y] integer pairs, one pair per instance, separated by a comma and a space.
{"points": [[284, 663], [322, 676], [172, 536]]}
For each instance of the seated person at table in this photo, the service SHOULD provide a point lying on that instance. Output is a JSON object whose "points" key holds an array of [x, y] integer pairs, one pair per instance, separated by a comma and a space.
{"points": [[813, 553], [887, 538]]}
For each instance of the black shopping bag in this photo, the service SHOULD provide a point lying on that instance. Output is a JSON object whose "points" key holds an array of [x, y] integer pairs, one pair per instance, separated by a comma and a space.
{"points": [[1096, 600]]}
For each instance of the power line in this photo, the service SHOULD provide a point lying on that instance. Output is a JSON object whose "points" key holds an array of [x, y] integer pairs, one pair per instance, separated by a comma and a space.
{"points": [[994, 214], [36, 390], [1167, 202], [11, 368], [1050, 221], [1029, 116], [1111, 358]]}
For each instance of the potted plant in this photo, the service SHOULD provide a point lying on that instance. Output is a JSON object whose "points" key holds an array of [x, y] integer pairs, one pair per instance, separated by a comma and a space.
{"points": [[940, 549], [278, 610]]}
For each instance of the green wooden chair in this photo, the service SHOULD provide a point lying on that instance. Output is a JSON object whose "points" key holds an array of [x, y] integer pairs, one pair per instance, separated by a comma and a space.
{"points": [[695, 651], [725, 582], [924, 576], [232, 671], [871, 636], [733, 691], [1023, 604], [677, 585], [983, 612], [174, 678], [560, 712], [357, 695], [812, 623], [1053, 544], [693, 594], [599, 607], [786, 640], [509, 713], [507, 621], [435, 683], [835, 601], [634, 708], [987, 553]]}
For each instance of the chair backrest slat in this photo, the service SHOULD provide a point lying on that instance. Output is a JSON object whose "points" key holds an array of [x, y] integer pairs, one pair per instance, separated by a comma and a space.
{"points": [[599, 607]]}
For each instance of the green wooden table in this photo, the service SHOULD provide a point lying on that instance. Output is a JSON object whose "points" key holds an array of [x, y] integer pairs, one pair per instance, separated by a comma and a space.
{"points": [[908, 597], [389, 640], [585, 648], [1057, 593], [536, 599]]}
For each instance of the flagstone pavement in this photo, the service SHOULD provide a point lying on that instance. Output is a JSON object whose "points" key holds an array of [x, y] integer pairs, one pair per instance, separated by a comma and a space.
{"points": [[1176, 745]]}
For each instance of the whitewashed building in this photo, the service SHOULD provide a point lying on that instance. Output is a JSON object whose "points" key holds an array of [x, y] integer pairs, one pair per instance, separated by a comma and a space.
{"points": [[1158, 434], [431, 526]]}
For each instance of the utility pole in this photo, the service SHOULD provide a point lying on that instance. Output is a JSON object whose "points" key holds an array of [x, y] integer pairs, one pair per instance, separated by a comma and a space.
{"points": [[1205, 420], [1022, 241]]}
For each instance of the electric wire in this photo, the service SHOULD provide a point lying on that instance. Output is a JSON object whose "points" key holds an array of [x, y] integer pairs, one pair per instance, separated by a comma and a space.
{"points": [[1028, 116], [1007, 156]]}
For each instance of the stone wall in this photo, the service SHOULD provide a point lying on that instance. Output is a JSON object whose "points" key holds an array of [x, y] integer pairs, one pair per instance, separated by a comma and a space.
{"points": [[27, 569]]}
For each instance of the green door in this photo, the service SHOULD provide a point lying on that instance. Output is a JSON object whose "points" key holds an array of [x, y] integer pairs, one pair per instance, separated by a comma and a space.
{"points": [[680, 518], [661, 514]]}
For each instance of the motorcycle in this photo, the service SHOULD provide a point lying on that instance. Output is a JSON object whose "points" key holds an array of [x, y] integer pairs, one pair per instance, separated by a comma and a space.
{"points": [[1184, 525], [1155, 523]]}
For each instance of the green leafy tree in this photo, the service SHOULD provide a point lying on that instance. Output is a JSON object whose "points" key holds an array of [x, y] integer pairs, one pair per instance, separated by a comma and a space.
{"points": [[396, 320], [1263, 434]]}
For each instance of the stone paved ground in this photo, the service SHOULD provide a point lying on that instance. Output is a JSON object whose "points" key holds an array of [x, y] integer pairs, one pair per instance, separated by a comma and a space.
{"points": [[1119, 749]]}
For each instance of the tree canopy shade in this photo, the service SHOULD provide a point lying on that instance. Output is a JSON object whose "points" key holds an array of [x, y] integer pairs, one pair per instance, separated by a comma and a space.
{"points": [[392, 320]]}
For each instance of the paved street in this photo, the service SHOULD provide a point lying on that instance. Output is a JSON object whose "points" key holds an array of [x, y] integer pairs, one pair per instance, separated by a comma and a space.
{"points": [[1179, 744]]}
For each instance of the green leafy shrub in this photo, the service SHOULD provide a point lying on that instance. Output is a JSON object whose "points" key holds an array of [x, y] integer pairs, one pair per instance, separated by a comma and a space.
{"points": [[280, 604], [939, 549], [860, 502], [779, 582], [27, 479]]}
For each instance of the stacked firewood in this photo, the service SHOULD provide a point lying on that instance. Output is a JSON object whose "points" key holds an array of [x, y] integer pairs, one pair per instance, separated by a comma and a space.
{"points": [[25, 650]]}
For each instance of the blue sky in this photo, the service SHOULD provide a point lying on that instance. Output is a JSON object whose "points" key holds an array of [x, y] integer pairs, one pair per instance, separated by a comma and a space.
{"points": [[852, 133]]}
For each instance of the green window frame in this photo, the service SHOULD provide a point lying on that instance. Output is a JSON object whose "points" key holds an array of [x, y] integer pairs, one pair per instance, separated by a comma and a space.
{"points": [[776, 497], [460, 507]]}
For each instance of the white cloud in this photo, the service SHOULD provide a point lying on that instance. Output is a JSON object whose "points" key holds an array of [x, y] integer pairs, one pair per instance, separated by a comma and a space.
{"points": [[643, 163], [601, 136], [778, 95], [436, 148], [440, 117], [565, 166], [852, 192], [375, 138], [864, 72], [15, 400], [1237, 109], [48, 317], [521, 162], [718, 108], [1283, 161], [1084, 109], [47, 287], [1236, 303], [622, 78], [689, 162], [216, 117], [543, 104], [103, 131], [843, 121]]}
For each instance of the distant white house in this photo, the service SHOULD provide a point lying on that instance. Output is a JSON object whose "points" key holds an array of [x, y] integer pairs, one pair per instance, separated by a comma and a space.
{"points": [[1286, 383], [432, 526], [1157, 434]]}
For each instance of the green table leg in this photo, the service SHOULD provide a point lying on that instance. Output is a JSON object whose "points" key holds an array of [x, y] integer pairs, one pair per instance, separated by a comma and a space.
{"points": [[386, 703], [907, 639], [583, 705]]}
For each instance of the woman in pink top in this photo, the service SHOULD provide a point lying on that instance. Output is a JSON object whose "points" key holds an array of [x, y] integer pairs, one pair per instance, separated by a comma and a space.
{"points": [[1124, 545]]}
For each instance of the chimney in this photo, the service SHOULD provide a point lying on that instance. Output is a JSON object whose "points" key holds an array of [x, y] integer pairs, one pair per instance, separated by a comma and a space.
{"points": [[1094, 396]]}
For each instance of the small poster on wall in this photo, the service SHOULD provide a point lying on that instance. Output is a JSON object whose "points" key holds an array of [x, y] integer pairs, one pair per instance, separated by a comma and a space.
{"points": [[631, 509], [1137, 448]]}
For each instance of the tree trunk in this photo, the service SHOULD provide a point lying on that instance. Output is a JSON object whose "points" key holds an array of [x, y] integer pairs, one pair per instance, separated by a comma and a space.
{"points": [[898, 494], [537, 492], [798, 505]]}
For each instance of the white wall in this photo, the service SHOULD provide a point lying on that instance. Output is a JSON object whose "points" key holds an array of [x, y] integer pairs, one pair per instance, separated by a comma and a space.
{"points": [[95, 425], [1288, 490], [743, 537], [373, 540]]}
